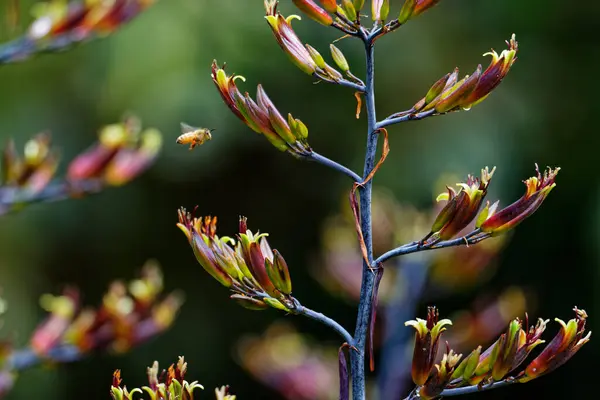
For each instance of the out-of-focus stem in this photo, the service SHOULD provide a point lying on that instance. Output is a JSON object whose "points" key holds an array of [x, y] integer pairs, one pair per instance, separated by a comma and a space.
{"points": [[58, 190], [27, 358]]}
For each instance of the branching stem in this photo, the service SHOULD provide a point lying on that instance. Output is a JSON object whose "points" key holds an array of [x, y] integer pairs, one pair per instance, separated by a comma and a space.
{"points": [[368, 277], [415, 247]]}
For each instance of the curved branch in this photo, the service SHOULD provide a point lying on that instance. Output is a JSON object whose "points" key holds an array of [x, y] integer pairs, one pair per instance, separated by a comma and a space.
{"points": [[58, 190], [316, 157], [23, 48], [343, 82], [27, 358], [414, 247], [317, 316]]}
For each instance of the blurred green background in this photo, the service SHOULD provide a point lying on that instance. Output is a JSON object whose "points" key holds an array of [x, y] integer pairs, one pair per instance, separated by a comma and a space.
{"points": [[158, 66]]}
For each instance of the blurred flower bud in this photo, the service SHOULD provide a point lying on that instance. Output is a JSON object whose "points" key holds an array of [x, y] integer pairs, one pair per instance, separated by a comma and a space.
{"points": [[120, 155], [565, 344], [262, 116], [81, 19], [538, 188], [32, 172], [426, 344], [130, 163], [123, 320], [461, 208], [339, 59], [50, 332], [285, 360]]}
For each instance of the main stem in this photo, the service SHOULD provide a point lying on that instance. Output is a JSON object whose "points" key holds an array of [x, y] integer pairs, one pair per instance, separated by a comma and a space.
{"points": [[368, 278]]}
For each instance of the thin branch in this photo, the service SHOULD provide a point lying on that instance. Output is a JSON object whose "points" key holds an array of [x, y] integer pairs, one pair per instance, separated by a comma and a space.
{"points": [[12, 197], [23, 48], [301, 310], [415, 247], [27, 358], [403, 117], [342, 82], [476, 388], [316, 157]]}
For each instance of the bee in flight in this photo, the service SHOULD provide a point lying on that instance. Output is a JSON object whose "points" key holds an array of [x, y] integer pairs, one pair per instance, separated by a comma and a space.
{"points": [[193, 136]]}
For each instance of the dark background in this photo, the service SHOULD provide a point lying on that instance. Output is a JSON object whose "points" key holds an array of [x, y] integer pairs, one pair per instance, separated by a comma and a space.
{"points": [[159, 66]]}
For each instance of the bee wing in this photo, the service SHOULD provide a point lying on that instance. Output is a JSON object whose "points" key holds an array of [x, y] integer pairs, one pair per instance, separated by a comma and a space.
{"points": [[185, 128]]}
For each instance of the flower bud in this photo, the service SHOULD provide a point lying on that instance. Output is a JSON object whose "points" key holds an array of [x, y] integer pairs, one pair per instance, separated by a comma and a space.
{"points": [[407, 11], [329, 5], [316, 56], [426, 344], [454, 96], [358, 5], [380, 9], [278, 273], [463, 207], [339, 59], [565, 344], [315, 12], [423, 5], [538, 188], [349, 10]]}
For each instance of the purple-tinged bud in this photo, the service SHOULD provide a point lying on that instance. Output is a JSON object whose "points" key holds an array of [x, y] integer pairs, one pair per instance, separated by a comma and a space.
{"points": [[440, 376], [278, 273], [455, 96], [463, 207], [538, 188], [315, 12], [565, 344], [426, 344]]}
